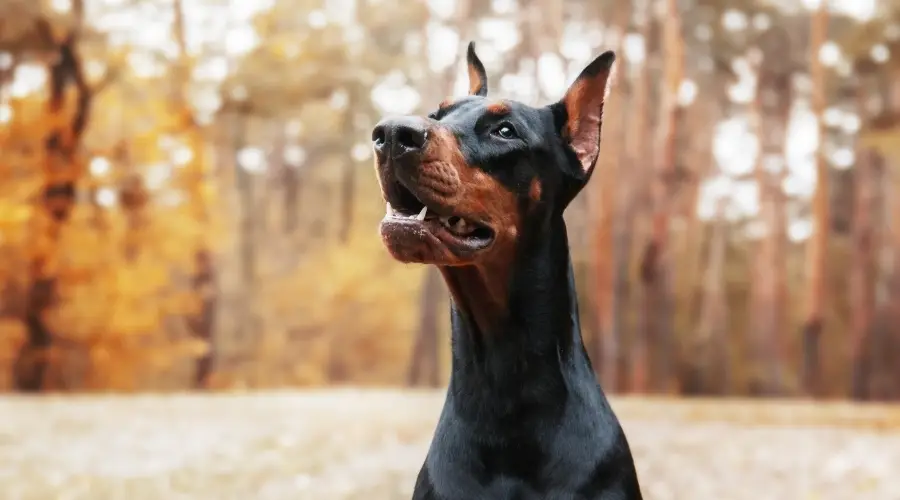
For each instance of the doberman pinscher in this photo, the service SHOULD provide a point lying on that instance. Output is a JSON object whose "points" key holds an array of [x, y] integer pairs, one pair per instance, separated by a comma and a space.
{"points": [[478, 188]]}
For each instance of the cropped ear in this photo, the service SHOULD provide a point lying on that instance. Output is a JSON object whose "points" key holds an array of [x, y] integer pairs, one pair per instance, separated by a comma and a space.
{"points": [[478, 84], [583, 105]]}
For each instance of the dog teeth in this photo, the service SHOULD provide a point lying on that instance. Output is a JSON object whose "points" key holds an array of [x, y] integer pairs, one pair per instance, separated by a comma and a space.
{"points": [[390, 212], [456, 224]]}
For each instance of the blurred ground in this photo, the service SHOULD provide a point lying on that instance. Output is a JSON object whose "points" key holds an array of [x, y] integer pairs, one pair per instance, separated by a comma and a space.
{"points": [[354, 444]]}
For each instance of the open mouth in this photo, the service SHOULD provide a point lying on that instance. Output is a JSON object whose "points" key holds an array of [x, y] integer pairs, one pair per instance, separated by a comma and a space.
{"points": [[456, 232]]}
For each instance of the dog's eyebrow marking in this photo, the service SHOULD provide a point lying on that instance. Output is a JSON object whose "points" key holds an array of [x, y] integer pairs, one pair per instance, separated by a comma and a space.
{"points": [[498, 108], [534, 190]]}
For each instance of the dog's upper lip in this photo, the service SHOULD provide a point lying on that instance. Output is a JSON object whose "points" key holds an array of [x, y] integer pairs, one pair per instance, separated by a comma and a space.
{"points": [[438, 204], [433, 208]]}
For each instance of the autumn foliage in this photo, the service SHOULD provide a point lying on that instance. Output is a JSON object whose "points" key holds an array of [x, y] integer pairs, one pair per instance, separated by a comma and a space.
{"points": [[198, 209]]}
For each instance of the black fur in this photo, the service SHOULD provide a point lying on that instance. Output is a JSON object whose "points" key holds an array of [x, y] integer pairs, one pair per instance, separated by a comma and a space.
{"points": [[524, 416]]}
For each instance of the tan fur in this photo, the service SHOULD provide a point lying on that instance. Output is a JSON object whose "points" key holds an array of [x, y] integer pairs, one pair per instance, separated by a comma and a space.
{"points": [[480, 197], [499, 108], [534, 191], [475, 81], [584, 105]]}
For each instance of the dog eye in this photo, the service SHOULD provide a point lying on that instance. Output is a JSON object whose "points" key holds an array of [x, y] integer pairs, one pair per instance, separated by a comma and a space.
{"points": [[506, 131]]}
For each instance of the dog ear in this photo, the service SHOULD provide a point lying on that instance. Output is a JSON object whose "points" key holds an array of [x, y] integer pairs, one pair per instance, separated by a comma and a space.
{"points": [[583, 111], [478, 84]]}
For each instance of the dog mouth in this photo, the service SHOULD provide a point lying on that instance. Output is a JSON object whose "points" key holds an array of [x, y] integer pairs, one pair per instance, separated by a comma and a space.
{"points": [[405, 211]]}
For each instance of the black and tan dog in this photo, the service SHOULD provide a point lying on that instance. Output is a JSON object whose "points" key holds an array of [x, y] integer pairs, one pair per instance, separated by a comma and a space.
{"points": [[478, 188]]}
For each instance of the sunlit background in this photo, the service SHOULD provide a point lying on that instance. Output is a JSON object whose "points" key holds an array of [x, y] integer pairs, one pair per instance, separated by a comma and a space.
{"points": [[187, 203]]}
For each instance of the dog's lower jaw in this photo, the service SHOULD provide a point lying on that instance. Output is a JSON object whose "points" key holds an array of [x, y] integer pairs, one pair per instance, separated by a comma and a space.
{"points": [[524, 412]]}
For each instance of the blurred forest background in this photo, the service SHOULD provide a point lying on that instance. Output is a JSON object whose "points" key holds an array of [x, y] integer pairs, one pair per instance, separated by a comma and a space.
{"points": [[187, 195]]}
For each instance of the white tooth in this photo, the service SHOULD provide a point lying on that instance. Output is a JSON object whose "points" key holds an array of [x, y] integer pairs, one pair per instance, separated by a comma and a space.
{"points": [[421, 215], [388, 209]]}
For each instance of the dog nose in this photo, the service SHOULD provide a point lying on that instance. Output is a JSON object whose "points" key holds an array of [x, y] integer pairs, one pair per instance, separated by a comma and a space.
{"points": [[396, 137]]}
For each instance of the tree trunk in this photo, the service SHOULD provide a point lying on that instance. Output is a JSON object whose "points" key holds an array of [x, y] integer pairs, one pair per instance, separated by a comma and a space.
{"points": [[633, 186], [608, 346], [655, 269], [290, 177], [885, 377], [425, 349], [203, 279], [864, 262], [246, 225], [62, 169], [348, 180], [772, 107], [348, 191], [711, 343], [862, 273], [267, 203], [133, 198], [817, 246], [698, 372]]}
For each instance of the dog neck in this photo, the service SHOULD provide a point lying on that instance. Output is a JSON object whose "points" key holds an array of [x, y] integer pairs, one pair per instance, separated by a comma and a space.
{"points": [[516, 337]]}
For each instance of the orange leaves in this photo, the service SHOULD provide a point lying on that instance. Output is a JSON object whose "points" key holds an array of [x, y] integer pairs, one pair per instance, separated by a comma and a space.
{"points": [[115, 306], [179, 303], [120, 300], [27, 122], [119, 265], [357, 305], [143, 279], [13, 215], [12, 333]]}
